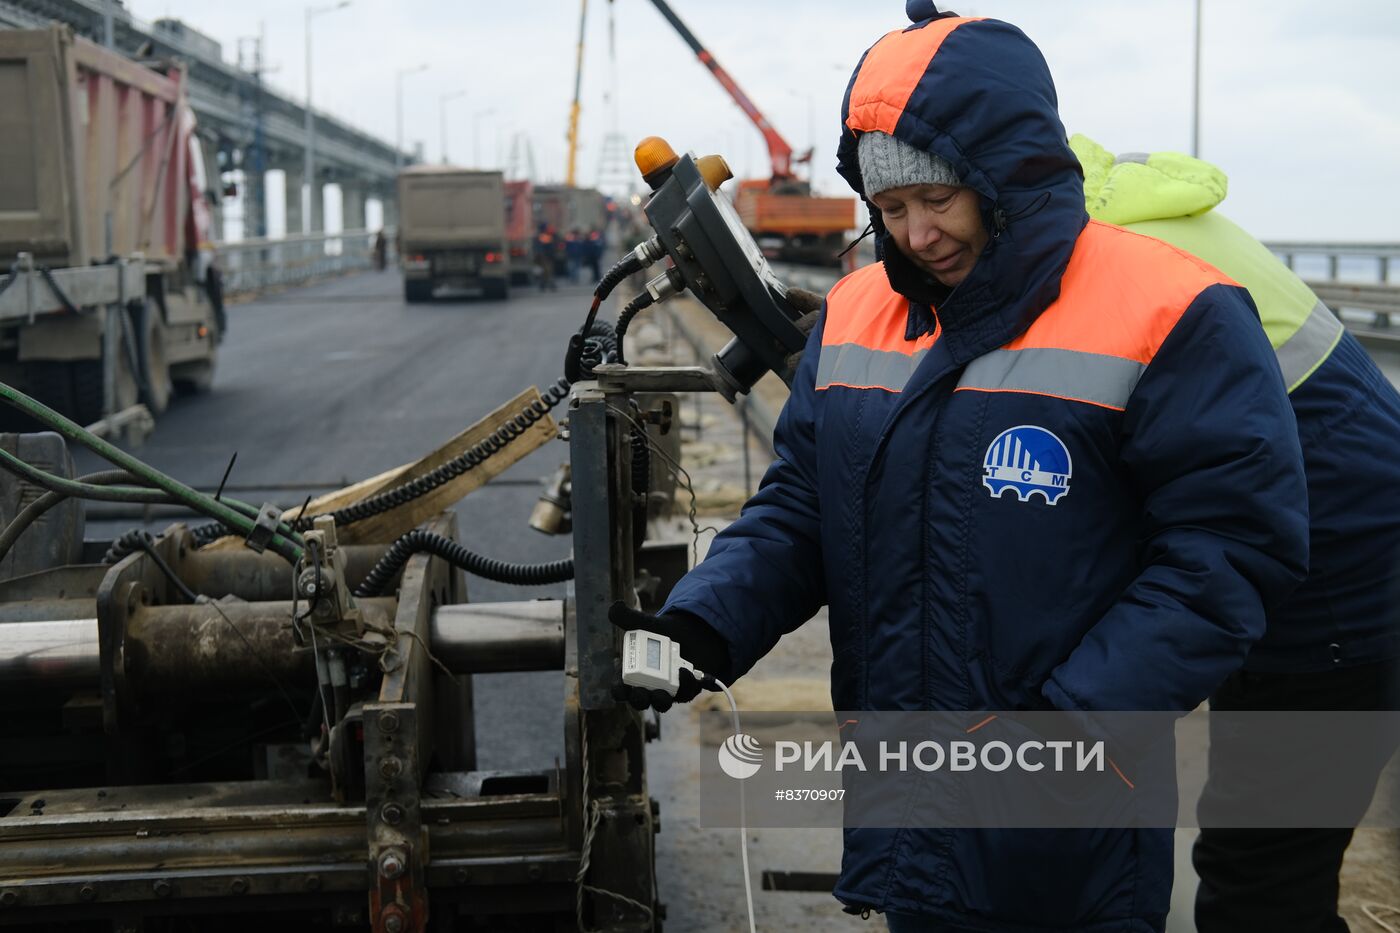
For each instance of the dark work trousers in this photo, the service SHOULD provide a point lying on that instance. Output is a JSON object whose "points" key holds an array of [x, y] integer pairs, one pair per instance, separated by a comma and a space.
{"points": [[1286, 879]]}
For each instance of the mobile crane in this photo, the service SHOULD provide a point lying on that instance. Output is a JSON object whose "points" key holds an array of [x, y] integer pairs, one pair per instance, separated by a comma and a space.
{"points": [[787, 220]]}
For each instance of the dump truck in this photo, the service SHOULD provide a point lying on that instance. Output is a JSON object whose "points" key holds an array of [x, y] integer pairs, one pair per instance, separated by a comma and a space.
{"points": [[112, 293], [520, 230], [452, 231], [566, 210]]}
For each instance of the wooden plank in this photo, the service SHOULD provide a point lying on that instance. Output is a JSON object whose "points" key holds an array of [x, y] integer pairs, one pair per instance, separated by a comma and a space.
{"points": [[389, 525]]}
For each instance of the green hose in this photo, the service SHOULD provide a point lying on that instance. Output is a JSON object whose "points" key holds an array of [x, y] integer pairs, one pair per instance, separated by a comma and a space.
{"points": [[287, 547], [79, 490]]}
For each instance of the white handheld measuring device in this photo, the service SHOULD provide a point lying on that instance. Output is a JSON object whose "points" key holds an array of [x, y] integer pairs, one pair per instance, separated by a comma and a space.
{"points": [[653, 661]]}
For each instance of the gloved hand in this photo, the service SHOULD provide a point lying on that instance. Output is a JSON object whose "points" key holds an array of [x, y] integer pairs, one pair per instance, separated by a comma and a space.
{"points": [[810, 304], [701, 645], [806, 301]]}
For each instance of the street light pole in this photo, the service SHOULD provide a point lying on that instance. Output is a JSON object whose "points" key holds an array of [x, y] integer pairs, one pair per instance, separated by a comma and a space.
{"points": [[442, 116], [398, 110], [308, 167], [503, 131], [476, 134], [1196, 91]]}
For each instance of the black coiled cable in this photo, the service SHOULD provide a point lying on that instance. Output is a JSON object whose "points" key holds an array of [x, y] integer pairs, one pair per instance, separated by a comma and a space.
{"points": [[624, 320], [633, 262], [139, 539], [391, 499], [596, 343], [641, 463], [471, 458], [128, 544], [599, 346], [419, 541]]}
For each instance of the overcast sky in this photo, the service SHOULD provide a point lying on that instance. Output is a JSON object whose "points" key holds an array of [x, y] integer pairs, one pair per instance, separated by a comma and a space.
{"points": [[1299, 100]]}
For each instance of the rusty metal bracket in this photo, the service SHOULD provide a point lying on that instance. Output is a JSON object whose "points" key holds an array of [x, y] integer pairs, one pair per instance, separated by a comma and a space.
{"points": [[399, 743], [398, 856], [268, 517]]}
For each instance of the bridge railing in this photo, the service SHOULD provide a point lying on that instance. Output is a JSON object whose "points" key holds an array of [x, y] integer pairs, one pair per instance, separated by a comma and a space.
{"points": [[1308, 259], [258, 264], [1359, 281], [1354, 279]]}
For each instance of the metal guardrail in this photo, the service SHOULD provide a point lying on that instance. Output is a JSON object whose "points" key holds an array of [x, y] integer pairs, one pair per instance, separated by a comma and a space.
{"points": [[1382, 299], [1381, 296], [254, 265], [1383, 253]]}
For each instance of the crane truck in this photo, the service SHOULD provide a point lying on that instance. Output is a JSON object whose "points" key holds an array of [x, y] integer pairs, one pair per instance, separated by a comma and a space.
{"points": [[787, 220]]}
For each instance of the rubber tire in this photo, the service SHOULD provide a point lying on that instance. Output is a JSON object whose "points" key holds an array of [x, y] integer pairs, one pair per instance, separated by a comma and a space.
{"points": [[417, 291], [214, 289], [51, 382], [195, 378], [74, 388], [497, 290], [156, 387]]}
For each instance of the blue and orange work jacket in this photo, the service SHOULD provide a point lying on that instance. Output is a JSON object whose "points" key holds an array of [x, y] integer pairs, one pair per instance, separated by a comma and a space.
{"points": [[1072, 481]]}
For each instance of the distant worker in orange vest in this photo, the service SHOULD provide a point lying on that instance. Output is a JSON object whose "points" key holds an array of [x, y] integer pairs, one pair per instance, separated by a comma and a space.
{"points": [[593, 254], [545, 251]]}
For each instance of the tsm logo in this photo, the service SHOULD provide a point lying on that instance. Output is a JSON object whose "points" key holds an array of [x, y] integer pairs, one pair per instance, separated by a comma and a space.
{"points": [[1028, 460]]}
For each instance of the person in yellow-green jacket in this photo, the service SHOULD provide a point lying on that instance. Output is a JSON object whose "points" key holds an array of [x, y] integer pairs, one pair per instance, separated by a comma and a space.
{"points": [[1335, 643]]}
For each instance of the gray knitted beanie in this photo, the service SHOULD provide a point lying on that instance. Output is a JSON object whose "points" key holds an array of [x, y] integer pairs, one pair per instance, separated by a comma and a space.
{"points": [[887, 162]]}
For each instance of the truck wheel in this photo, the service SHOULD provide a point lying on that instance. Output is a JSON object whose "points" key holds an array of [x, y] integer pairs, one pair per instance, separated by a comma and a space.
{"points": [[51, 382], [75, 388], [86, 376], [194, 378], [150, 347], [498, 290]]}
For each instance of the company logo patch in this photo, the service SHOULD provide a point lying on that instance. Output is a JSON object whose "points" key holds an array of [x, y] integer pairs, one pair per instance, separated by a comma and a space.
{"points": [[1029, 460]]}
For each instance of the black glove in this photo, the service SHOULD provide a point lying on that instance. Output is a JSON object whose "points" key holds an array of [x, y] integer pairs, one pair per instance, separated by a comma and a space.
{"points": [[701, 645], [806, 301]]}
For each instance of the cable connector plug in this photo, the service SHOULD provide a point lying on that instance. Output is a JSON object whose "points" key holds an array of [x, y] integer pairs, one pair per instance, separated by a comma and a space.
{"points": [[666, 284]]}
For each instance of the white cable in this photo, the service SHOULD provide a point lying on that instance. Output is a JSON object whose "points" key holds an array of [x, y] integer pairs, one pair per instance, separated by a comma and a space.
{"points": [[743, 829], [654, 662], [1370, 910]]}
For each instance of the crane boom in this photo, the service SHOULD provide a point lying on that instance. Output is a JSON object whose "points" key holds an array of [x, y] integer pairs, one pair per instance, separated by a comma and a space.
{"points": [[779, 152], [570, 175]]}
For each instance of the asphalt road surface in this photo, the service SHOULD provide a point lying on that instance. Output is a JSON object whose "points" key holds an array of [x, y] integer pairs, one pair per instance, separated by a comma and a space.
{"points": [[324, 385]]}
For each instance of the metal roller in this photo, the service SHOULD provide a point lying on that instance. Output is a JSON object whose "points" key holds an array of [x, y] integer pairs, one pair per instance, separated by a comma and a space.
{"points": [[60, 652], [170, 648], [479, 638]]}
